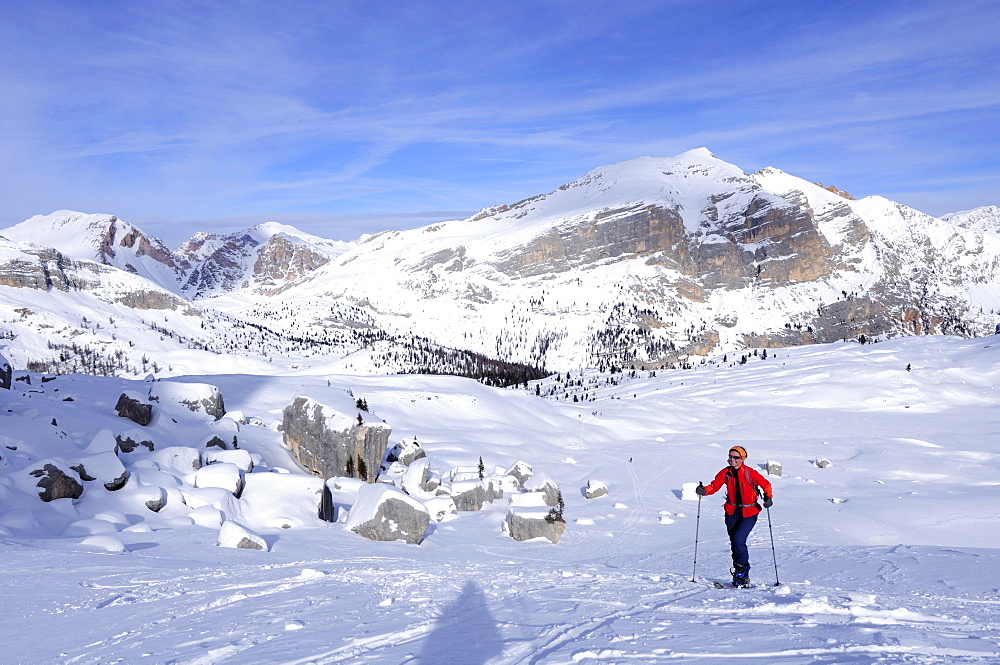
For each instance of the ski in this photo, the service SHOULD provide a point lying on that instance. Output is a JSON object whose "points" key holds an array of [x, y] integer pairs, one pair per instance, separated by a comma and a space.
{"points": [[720, 585]]}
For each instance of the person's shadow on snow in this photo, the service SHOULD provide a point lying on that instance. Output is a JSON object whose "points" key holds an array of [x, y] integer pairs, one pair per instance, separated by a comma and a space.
{"points": [[464, 633]]}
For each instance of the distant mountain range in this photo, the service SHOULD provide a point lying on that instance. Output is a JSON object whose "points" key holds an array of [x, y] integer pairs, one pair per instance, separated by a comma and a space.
{"points": [[645, 263]]}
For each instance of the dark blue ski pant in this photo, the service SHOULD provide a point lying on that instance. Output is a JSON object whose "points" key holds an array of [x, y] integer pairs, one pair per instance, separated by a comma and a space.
{"points": [[739, 529]]}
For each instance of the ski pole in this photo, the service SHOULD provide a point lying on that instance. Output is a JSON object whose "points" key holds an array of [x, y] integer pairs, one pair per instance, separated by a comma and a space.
{"points": [[774, 557], [697, 526]]}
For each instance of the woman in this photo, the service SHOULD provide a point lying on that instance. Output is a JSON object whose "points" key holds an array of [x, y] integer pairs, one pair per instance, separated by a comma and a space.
{"points": [[741, 484]]}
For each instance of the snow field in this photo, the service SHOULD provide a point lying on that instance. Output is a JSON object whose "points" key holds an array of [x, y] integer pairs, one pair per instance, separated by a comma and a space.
{"points": [[886, 555]]}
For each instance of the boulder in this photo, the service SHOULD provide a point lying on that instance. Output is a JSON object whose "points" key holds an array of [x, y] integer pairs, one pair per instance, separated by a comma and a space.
{"points": [[131, 407], [235, 535], [133, 439], [823, 463], [594, 489], [103, 467], [103, 442], [184, 399], [414, 479], [331, 444], [470, 495], [182, 459], [544, 485], [405, 452], [279, 501], [56, 483], [522, 471], [153, 497], [384, 513], [529, 517], [773, 468], [441, 508], [6, 373], [240, 458], [222, 475]]}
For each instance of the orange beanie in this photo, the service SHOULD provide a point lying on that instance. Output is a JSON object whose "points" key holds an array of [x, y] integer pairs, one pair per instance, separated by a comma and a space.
{"points": [[740, 450]]}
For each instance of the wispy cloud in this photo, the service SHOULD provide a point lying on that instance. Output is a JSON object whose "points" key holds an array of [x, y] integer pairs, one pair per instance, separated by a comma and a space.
{"points": [[188, 111]]}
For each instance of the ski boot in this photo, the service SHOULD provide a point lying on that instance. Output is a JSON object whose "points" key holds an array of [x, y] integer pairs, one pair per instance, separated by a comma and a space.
{"points": [[741, 575]]}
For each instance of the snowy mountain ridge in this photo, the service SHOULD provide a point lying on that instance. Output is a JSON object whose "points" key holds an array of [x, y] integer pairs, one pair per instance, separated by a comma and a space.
{"points": [[645, 263]]}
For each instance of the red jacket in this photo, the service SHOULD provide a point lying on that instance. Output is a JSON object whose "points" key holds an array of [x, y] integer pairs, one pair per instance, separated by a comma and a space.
{"points": [[748, 479]]}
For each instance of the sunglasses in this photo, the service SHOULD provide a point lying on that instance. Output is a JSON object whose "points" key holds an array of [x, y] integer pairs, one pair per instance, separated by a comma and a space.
{"points": [[735, 457]]}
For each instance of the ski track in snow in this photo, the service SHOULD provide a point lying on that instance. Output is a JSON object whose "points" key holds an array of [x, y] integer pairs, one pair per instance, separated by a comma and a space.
{"points": [[533, 614]]}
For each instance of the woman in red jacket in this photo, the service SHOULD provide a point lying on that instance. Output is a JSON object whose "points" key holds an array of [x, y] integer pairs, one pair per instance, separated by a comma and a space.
{"points": [[741, 484]]}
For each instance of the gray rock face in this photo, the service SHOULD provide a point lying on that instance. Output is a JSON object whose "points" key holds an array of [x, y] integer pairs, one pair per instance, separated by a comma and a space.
{"points": [[134, 410], [329, 443], [280, 260], [525, 528], [54, 483], [395, 520]]}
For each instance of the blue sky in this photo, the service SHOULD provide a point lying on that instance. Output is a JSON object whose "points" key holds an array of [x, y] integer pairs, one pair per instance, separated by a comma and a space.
{"points": [[345, 118]]}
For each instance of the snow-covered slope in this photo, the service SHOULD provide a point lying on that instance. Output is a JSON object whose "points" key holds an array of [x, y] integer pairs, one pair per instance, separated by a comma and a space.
{"points": [[885, 554], [986, 219]]}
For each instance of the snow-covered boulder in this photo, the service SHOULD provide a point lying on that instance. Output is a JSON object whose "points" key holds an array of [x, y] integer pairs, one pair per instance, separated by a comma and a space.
{"points": [[384, 513], [240, 458], [594, 489], [441, 508], [132, 440], [280, 501], [470, 495], [330, 443], [104, 544], [235, 535], [132, 406], [151, 496], [103, 467], [522, 471], [823, 463], [546, 486], [405, 452], [103, 442], [208, 516], [773, 468], [182, 459], [689, 492], [184, 399], [56, 480], [6, 373], [414, 479], [90, 527], [530, 517], [215, 441], [223, 475]]}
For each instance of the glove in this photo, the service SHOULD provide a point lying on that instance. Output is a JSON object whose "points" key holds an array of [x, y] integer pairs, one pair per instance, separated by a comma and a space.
{"points": [[767, 501], [700, 490]]}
